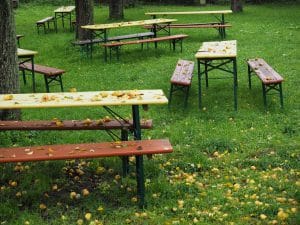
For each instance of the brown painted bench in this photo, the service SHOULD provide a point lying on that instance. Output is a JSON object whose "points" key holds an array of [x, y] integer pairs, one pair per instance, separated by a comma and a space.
{"points": [[182, 78], [172, 38], [50, 74], [91, 150], [220, 27], [43, 22], [270, 79]]}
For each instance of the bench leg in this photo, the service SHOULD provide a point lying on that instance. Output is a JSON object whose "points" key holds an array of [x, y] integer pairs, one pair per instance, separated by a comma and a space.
{"points": [[44, 25], [264, 95], [170, 96], [24, 76], [38, 29], [281, 95], [249, 77], [61, 83], [125, 159], [46, 83], [187, 90]]}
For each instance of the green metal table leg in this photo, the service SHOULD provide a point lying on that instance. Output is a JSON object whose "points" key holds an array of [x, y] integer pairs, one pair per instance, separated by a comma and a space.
{"points": [[33, 73], [199, 85], [139, 159], [235, 83], [125, 159], [206, 73]]}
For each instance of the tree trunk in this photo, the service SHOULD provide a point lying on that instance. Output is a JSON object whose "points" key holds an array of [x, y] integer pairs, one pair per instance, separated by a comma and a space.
{"points": [[9, 78], [84, 16], [116, 9], [236, 5]]}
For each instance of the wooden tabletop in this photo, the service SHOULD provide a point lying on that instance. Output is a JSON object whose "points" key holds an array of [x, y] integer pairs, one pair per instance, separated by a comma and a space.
{"points": [[65, 9], [25, 52], [217, 49], [77, 99], [190, 12], [127, 24]]}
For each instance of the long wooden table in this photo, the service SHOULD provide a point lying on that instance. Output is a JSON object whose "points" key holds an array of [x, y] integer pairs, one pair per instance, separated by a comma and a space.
{"points": [[218, 14], [133, 98], [26, 56], [101, 30], [64, 12], [216, 55]]}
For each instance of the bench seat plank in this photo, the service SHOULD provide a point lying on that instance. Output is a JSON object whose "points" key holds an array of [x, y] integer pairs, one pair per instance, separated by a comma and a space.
{"points": [[89, 150], [49, 71], [45, 19], [196, 25], [71, 125], [264, 71], [183, 72], [164, 38]]}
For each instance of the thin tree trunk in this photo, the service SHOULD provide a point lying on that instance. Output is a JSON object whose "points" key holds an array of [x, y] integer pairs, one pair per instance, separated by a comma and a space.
{"points": [[84, 16], [116, 9], [9, 78]]}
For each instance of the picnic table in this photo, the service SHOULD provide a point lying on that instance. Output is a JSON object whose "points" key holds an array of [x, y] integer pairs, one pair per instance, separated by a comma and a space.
{"points": [[27, 56], [216, 56], [218, 14], [101, 30], [64, 12], [106, 99]]}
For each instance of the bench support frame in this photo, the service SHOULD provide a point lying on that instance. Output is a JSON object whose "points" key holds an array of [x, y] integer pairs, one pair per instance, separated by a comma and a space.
{"points": [[266, 88]]}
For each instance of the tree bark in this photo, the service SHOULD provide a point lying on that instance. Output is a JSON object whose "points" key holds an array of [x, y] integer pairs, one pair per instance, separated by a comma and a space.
{"points": [[116, 9], [9, 78], [236, 5], [84, 16]]}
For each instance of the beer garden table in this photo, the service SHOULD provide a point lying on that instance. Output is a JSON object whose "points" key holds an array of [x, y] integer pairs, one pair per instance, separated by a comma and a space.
{"points": [[64, 12], [216, 55], [26, 56]]}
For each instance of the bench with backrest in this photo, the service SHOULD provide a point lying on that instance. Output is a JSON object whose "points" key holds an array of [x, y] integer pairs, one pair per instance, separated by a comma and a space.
{"points": [[172, 38], [270, 79], [182, 78], [45, 23], [50, 74], [87, 45], [91, 150]]}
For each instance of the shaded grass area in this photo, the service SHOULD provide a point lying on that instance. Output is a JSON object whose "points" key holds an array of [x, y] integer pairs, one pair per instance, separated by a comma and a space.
{"points": [[227, 167]]}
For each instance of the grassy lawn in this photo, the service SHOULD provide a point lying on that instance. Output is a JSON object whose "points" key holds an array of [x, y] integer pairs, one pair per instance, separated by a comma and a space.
{"points": [[227, 167]]}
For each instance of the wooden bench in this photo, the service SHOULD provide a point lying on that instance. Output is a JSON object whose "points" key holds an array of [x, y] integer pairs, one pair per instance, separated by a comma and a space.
{"points": [[220, 27], [107, 124], [87, 45], [182, 78], [172, 38], [270, 79], [136, 148], [47, 20], [50, 74]]}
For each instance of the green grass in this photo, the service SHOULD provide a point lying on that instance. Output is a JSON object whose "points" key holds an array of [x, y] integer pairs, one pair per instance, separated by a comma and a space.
{"points": [[228, 167]]}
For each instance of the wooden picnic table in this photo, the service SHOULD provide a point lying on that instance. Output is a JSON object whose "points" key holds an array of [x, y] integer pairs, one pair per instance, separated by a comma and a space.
{"points": [[218, 14], [217, 55], [64, 12], [133, 98], [101, 30], [27, 56]]}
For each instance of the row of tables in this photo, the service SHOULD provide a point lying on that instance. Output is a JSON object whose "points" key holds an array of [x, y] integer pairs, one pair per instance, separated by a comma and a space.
{"points": [[211, 56]]}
